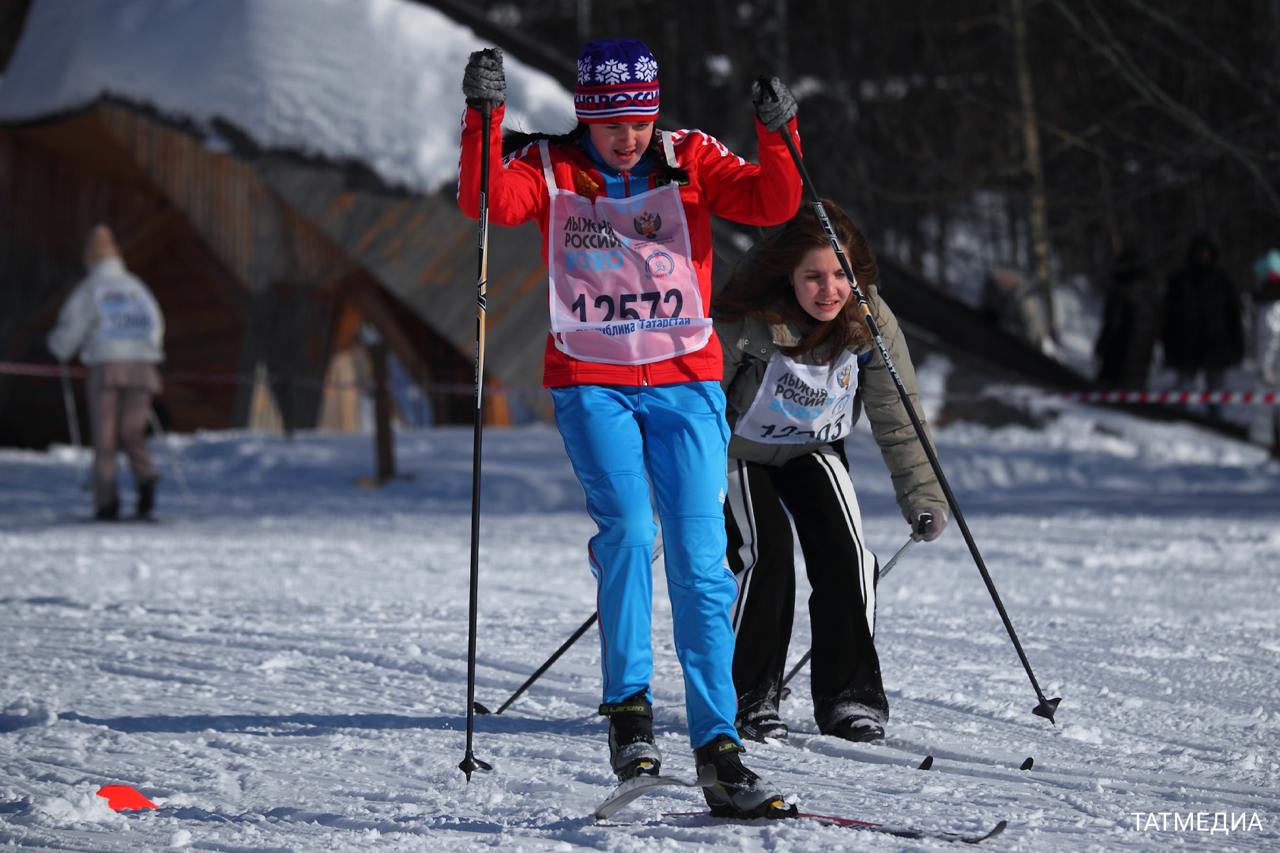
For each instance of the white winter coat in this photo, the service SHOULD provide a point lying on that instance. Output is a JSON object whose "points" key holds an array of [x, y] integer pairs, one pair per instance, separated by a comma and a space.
{"points": [[110, 317]]}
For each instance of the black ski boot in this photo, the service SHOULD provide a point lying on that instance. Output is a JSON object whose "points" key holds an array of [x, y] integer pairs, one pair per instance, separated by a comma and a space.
{"points": [[858, 729], [760, 722], [146, 499], [737, 792], [632, 751], [107, 512]]}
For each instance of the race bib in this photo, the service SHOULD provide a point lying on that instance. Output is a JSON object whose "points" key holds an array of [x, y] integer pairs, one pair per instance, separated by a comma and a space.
{"points": [[124, 314], [802, 403], [622, 285]]}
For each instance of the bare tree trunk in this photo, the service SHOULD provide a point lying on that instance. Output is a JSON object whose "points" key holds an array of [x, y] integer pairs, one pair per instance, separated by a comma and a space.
{"points": [[1035, 168]]}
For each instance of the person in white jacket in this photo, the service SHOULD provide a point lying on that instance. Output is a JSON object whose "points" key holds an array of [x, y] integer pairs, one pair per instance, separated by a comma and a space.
{"points": [[116, 326]]}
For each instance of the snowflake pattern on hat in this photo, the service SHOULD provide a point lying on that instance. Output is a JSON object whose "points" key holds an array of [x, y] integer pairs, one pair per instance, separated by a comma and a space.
{"points": [[617, 81], [647, 69], [612, 71]]}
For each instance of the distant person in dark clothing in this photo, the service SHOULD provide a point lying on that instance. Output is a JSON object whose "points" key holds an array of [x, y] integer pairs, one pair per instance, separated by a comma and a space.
{"points": [[1266, 299], [114, 323], [1203, 319], [1130, 324]]}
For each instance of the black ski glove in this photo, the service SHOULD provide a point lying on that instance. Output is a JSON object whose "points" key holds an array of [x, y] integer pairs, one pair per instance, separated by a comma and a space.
{"points": [[774, 111], [927, 522], [483, 82]]}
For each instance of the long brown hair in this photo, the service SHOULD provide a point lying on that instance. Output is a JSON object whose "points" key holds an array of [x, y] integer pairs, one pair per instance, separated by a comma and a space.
{"points": [[761, 285]]}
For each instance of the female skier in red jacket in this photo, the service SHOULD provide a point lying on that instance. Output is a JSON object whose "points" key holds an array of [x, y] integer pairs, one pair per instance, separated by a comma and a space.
{"points": [[634, 366]]}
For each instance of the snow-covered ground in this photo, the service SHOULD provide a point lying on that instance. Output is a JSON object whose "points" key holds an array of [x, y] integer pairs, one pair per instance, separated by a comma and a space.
{"points": [[280, 664]]}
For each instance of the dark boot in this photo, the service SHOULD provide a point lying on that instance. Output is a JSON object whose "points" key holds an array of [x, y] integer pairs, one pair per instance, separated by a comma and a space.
{"points": [[735, 790], [760, 721], [107, 512], [853, 721], [631, 747], [856, 729], [146, 498]]}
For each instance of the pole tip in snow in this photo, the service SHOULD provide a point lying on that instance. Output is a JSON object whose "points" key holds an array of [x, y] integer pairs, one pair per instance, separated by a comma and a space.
{"points": [[480, 709], [1047, 708], [927, 763], [470, 764], [1028, 764]]}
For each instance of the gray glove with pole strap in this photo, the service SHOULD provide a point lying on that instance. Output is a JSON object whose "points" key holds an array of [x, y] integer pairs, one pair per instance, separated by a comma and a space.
{"points": [[774, 108], [927, 522], [484, 81]]}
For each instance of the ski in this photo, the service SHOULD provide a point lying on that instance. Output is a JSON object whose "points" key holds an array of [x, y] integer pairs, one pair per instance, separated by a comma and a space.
{"points": [[914, 832], [635, 787], [800, 740]]}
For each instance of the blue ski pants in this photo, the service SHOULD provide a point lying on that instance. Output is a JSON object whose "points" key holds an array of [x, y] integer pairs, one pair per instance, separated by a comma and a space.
{"points": [[621, 439]]}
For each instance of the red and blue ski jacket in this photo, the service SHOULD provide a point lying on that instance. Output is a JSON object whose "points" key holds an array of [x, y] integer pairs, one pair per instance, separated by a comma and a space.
{"points": [[720, 183]]}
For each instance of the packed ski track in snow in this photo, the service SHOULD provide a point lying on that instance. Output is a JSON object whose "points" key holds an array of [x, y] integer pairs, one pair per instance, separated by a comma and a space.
{"points": [[280, 664]]}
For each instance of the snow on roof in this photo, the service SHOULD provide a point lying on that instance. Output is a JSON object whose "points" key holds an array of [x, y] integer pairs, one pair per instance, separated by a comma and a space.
{"points": [[378, 81]]}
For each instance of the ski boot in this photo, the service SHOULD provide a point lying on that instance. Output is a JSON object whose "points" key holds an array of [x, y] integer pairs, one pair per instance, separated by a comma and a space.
{"points": [[632, 751], [857, 729], [737, 792], [760, 722], [146, 499]]}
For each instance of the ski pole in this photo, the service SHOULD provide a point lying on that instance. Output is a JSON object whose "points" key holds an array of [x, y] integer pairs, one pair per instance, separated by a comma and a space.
{"points": [[69, 406], [469, 762], [1045, 707], [555, 656], [923, 523], [888, 567]]}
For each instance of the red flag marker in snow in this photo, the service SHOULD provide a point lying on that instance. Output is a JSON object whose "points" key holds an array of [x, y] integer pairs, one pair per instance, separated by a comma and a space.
{"points": [[124, 798]]}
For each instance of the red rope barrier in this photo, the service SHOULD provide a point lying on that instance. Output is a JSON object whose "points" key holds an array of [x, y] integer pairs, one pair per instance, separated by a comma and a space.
{"points": [[1165, 398]]}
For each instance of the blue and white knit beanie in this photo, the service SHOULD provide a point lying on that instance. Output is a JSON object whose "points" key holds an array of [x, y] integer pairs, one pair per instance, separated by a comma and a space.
{"points": [[617, 82]]}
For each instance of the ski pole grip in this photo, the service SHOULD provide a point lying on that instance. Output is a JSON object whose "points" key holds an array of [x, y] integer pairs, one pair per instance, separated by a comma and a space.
{"points": [[766, 88], [923, 523]]}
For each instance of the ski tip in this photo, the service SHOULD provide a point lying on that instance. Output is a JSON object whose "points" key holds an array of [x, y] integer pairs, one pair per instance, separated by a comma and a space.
{"points": [[995, 830], [1028, 764], [927, 763], [123, 798]]}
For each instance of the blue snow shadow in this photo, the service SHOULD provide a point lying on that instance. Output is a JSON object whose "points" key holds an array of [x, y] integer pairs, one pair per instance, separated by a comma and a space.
{"points": [[312, 725]]}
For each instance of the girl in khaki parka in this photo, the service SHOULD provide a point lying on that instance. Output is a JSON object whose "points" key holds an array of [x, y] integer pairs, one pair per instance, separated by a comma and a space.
{"points": [[799, 367]]}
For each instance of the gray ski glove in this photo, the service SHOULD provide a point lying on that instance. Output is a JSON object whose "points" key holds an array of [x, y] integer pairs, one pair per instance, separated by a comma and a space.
{"points": [[927, 522], [776, 110], [483, 82]]}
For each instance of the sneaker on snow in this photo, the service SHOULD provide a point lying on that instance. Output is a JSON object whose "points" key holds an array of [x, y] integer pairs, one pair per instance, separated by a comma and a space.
{"points": [[761, 722], [736, 791], [631, 747], [857, 729]]}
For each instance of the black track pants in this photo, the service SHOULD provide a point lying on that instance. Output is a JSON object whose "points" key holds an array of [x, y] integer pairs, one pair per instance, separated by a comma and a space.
{"points": [[817, 491]]}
